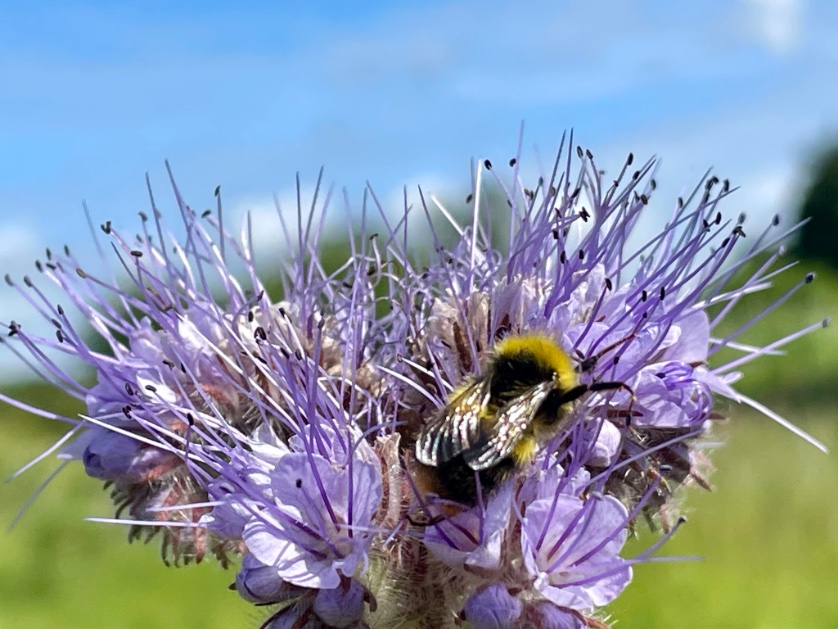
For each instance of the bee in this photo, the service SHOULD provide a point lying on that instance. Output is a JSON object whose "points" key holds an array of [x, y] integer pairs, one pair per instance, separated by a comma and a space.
{"points": [[493, 424]]}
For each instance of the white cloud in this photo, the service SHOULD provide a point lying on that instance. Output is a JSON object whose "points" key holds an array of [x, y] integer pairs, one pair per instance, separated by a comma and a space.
{"points": [[777, 24], [19, 241]]}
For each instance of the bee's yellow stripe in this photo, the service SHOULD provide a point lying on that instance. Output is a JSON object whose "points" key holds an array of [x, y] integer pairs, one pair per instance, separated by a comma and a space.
{"points": [[524, 451], [546, 351]]}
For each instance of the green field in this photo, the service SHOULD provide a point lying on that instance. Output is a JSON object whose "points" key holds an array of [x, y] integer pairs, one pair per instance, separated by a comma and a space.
{"points": [[768, 534]]}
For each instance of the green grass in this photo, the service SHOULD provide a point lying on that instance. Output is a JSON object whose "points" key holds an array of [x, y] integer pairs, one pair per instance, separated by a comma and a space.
{"points": [[60, 571], [768, 536]]}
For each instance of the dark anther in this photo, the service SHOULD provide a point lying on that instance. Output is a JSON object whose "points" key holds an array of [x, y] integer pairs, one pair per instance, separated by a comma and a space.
{"points": [[206, 214], [299, 483], [589, 154], [487, 164], [143, 216], [630, 159], [579, 152], [217, 191], [663, 292], [106, 227], [136, 253], [151, 388], [809, 278], [469, 197], [513, 161]]}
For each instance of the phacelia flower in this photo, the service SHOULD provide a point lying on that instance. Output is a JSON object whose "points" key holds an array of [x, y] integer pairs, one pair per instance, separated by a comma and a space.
{"points": [[281, 433]]}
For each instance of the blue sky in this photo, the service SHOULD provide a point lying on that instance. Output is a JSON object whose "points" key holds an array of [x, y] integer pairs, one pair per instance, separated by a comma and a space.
{"points": [[94, 95]]}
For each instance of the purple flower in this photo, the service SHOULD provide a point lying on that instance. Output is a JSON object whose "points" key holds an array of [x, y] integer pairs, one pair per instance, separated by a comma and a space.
{"points": [[259, 583], [283, 432], [571, 548], [122, 458], [492, 607], [319, 527], [473, 537], [342, 606]]}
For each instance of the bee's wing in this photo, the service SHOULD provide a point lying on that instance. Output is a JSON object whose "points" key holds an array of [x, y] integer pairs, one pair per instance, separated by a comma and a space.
{"points": [[511, 423], [455, 427]]}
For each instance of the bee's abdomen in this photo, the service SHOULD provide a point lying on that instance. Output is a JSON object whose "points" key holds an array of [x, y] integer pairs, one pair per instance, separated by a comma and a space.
{"points": [[455, 479]]}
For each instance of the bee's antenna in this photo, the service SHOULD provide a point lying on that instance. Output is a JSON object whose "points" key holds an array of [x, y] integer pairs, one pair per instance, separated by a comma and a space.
{"points": [[587, 364], [611, 386]]}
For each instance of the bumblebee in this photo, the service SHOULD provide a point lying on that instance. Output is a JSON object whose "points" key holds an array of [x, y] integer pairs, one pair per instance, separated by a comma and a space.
{"points": [[494, 423]]}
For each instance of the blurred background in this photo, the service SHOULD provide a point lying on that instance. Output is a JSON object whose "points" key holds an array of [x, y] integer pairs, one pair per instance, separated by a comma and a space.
{"points": [[93, 96]]}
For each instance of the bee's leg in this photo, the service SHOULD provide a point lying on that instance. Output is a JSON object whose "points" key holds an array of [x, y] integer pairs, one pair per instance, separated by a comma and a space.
{"points": [[425, 521]]}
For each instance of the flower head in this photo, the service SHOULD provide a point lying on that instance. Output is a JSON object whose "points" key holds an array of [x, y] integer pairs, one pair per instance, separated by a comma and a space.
{"points": [[283, 432]]}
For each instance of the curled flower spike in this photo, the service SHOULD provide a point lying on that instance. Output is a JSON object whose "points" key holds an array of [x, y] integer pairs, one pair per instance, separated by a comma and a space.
{"points": [[468, 442]]}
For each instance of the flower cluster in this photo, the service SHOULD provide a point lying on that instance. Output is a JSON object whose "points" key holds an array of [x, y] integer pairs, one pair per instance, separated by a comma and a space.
{"points": [[283, 432]]}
